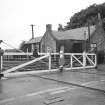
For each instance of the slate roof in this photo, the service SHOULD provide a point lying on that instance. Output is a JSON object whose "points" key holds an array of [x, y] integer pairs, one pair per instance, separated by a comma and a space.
{"points": [[35, 40], [75, 34]]}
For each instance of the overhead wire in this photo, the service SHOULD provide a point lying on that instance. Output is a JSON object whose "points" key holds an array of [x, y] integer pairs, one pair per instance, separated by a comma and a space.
{"points": [[11, 46]]}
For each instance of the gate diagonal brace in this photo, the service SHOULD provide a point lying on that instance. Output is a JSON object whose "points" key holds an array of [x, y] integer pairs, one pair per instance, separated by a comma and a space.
{"points": [[24, 64], [78, 60], [89, 60]]}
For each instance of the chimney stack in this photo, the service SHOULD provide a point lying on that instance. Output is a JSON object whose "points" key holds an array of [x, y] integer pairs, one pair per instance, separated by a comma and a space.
{"points": [[48, 27], [60, 27]]}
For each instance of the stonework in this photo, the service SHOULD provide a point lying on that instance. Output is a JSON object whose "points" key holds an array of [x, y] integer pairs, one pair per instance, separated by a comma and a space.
{"points": [[48, 42]]}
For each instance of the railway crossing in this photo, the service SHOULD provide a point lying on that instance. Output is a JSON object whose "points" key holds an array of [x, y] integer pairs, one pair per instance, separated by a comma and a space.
{"points": [[71, 61], [78, 84]]}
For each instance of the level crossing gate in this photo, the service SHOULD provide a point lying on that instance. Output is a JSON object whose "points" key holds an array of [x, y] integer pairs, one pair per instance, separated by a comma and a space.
{"points": [[75, 60], [71, 61]]}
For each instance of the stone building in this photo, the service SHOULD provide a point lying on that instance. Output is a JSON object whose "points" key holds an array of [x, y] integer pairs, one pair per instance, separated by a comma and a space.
{"points": [[71, 40]]}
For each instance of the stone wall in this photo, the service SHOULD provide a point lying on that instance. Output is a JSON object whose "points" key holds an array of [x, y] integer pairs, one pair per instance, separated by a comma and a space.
{"points": [[48, 42]]}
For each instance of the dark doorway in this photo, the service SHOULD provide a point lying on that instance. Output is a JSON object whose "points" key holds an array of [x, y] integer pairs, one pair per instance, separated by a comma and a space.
{"points": [[100, 57], [77, 48]]}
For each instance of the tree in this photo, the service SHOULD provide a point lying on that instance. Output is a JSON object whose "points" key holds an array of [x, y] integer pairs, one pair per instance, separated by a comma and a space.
{"points": [[81, 18]]}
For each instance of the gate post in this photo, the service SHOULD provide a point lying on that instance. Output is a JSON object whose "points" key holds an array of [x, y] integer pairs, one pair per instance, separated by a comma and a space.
{"points": [[49, 61], [96, 61], [1, 62], [84, 59]]}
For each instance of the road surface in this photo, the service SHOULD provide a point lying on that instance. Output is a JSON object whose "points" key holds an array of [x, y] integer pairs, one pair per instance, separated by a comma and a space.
{"points": [[66, 88]]}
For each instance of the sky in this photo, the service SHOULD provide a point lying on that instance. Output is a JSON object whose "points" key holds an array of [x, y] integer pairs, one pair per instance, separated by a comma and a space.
{"points": [[16, 16]]}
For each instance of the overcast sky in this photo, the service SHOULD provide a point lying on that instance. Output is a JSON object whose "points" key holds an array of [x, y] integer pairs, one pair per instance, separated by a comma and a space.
{"points": [[17, 15]]}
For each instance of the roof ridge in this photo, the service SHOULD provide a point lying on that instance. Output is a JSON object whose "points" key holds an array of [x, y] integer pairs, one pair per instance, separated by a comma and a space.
{"points": [[75, 28]]}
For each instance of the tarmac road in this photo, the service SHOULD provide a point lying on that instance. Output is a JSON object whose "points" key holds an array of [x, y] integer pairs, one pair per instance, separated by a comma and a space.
{"points": [[54, 89]]}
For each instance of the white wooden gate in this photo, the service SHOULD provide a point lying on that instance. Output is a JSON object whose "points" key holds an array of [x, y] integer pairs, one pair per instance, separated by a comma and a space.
{"points": [[72, 61], [82, 60], [75, 60]]}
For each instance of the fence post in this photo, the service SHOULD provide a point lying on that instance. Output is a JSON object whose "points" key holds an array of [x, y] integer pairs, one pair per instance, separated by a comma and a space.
{"points": [[27, 54], [49, 61], [95, 61], [71, 60], [84, 59], [1, 62]]}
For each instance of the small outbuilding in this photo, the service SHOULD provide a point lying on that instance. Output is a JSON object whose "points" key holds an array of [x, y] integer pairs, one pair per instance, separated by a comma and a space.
{"points": [[32, 44]]}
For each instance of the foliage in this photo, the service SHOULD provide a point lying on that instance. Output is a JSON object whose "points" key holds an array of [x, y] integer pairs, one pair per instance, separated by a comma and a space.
{"points": [[89, 14]]}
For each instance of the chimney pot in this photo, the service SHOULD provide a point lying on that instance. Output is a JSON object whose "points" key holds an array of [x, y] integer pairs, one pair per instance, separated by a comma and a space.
{"points": [[60, 27]]}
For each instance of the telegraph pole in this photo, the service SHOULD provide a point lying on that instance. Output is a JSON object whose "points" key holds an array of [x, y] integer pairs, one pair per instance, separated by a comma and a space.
{"points": [[85, 44], [32, 30], [32, 46], [88, 44]]}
